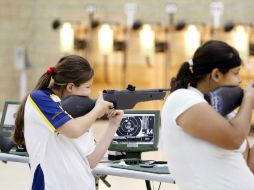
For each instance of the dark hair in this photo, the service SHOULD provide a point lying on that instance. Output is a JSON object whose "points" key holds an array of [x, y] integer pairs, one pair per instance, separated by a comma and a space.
{"points": [[69, 69], [212, 54]]}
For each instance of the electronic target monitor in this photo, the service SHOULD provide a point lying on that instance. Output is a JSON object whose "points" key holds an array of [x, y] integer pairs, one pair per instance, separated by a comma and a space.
{"points": [[138, 132]]}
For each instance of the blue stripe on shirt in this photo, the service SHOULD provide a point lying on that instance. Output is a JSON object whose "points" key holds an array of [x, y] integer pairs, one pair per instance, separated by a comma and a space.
{"points": [[50, 109], [38, 179]]}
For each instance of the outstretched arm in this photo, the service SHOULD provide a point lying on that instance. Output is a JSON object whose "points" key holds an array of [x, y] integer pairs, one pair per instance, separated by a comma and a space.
{"points": [[76, 127], [214, 128], [101, 148]]}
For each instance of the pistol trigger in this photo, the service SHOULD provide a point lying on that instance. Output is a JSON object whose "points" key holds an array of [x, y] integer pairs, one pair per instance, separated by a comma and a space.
{"points": [[114, 105]]}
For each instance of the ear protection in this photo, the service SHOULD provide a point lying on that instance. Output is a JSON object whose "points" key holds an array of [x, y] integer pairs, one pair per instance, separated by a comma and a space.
{"points": [[216, 77]]}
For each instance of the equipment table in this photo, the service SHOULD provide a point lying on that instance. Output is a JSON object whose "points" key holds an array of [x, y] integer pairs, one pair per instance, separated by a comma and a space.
{"points": [[104, 169]]}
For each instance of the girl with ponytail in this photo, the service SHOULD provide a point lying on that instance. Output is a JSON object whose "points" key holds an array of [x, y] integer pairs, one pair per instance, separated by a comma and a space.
{"points": [[43, 83], [61, 148], [205, 150]]}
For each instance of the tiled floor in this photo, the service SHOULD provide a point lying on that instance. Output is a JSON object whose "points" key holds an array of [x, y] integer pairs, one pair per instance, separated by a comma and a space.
{"points": [[16, 176]]}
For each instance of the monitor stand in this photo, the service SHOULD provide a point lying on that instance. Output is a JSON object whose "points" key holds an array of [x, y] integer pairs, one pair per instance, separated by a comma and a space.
{"points": [[136, 155], [115, 155]]}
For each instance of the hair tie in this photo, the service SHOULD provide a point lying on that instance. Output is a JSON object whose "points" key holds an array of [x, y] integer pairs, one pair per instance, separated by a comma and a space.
{"points": [[51, 71], [190, 62]]}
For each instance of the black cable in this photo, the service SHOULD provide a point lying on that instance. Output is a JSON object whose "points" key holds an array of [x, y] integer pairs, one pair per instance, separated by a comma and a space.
{"points": [[148, 185], [159, 186]]}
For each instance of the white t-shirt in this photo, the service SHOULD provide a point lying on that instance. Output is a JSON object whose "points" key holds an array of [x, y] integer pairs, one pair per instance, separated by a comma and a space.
{"points": [[57, 162], [197, 164]]}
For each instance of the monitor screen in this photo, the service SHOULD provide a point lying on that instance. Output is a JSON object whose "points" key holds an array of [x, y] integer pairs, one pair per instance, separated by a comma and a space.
{"points": [[8, 118], [138, 131], [7, 129]]}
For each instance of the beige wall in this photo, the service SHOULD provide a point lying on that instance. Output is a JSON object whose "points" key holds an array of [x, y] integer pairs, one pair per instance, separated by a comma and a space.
{"points": [[28, 22]]}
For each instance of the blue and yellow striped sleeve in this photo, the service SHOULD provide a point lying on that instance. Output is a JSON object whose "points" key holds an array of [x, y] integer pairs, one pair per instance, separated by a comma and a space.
{"points": [[49, 110]]}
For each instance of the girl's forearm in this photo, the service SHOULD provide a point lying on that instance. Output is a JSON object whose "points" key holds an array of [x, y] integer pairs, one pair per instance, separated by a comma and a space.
{"points": [[78, 126], [101, 148], [242, 122], [251, 159]]}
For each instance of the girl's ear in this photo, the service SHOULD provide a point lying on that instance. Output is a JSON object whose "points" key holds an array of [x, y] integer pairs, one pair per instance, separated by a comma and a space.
{"points": [[69, 87], [216, 75]]}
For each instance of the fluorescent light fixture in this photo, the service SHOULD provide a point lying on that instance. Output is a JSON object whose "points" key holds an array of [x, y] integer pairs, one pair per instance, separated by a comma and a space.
{"points": [[192, 40], [105, 36], [66, 38], [241, 41], [147, 40]]}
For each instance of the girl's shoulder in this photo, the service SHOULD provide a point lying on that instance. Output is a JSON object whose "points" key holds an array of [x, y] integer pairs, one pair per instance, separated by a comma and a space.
{"points": [[184, 93], [43, 92], [182, 97], [43, 95]]}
